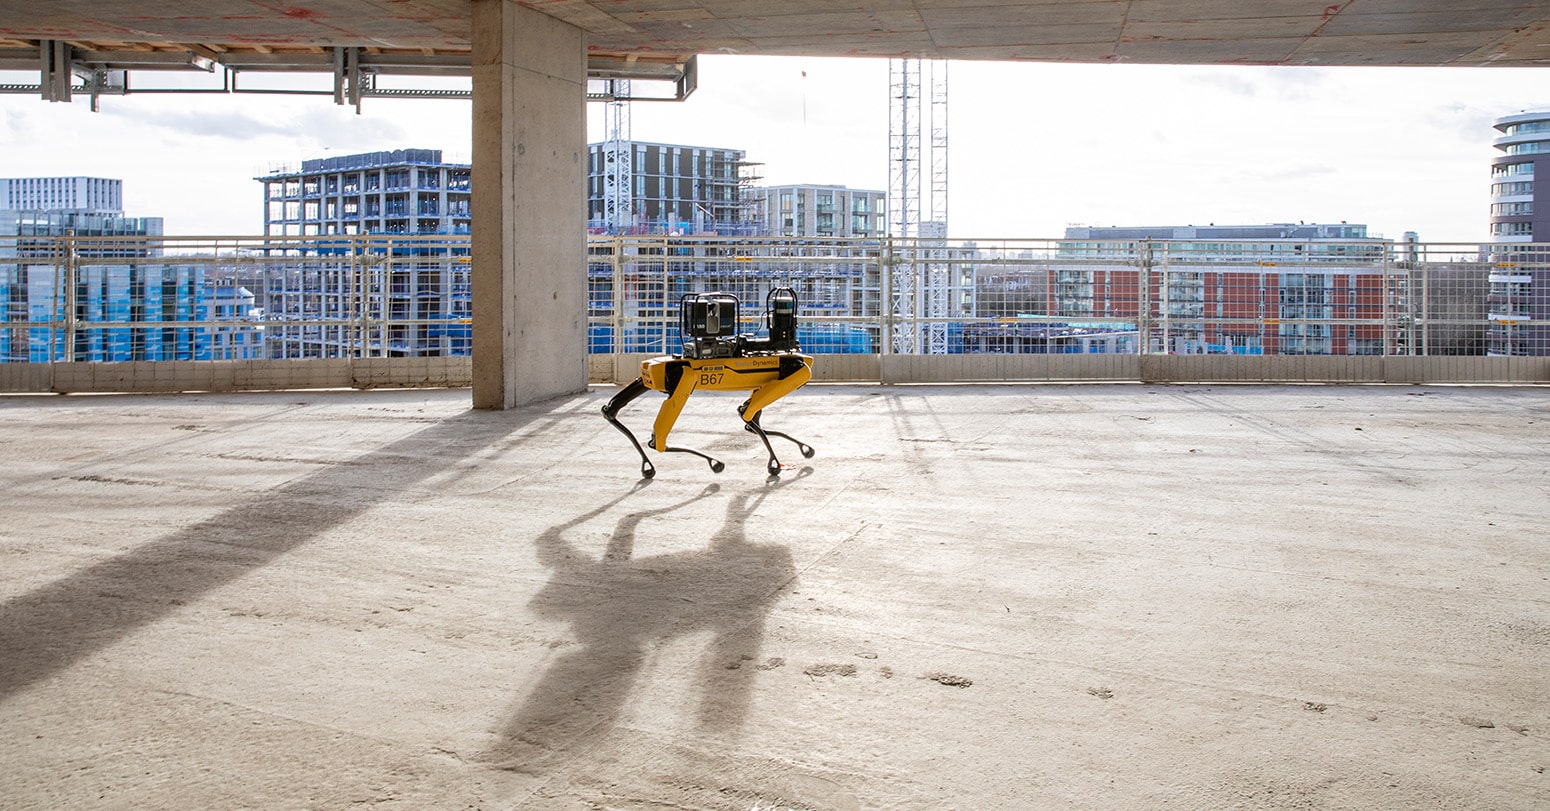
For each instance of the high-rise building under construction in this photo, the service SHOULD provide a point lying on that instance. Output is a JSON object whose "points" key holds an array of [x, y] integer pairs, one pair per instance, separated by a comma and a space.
{"points": [[639, 187], [417, 285]]}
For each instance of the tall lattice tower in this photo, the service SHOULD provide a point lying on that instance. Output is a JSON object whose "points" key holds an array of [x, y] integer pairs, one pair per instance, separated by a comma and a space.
{"points": [[917, 203], [618, 153]]}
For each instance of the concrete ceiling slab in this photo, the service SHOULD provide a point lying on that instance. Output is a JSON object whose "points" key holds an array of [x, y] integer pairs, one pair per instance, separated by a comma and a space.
{"points": [[1365, 32], [882, 45], [1208, 10], [1268, 51], [1025, 35], [688, 31], [830, 23], [1429, 22], [1221, 30], [1389, 49], [940, 19]]}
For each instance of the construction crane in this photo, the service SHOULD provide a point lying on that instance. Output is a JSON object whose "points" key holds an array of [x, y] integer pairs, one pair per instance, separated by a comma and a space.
{"points": [[921, 281], [617, 153]]}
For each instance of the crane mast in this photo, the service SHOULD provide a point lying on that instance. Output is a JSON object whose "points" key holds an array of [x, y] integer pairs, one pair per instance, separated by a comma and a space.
{"points": [[922, 278]]}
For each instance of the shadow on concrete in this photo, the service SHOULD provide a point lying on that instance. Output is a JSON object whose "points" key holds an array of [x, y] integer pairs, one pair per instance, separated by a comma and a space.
{"points": [[47, 629], [620, 607]]}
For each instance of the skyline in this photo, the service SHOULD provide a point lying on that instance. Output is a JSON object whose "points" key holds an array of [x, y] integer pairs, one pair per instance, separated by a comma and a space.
{"points": [[1033, 147]]}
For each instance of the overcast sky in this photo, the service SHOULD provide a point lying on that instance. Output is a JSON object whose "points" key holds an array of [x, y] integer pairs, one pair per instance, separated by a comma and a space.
{"points": [[1034, 147]]}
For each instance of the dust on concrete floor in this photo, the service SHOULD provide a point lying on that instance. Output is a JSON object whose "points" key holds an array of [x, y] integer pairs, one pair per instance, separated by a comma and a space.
{"points": [[972, 597]]}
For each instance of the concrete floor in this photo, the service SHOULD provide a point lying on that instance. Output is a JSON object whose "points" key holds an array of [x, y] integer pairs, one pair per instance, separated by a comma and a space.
{"points": [[973, 597]]}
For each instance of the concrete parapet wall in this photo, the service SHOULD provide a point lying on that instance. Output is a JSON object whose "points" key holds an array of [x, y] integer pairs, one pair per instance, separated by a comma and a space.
{"points": [[847, 368], [26, 377], [906, 369], [255, 375], [600, 369], [369, 373], [1342, 369], [1261, 369], [1005, 368], [1467, 370], [619, 369]]}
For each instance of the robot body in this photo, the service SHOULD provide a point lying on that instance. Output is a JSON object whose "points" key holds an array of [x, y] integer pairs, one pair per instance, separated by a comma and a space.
{"points": [[715, 359]]}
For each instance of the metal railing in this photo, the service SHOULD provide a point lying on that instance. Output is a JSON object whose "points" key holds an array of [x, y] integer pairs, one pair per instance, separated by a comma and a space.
{"points": [[112, 299], [120, 299], [1016, 296]]}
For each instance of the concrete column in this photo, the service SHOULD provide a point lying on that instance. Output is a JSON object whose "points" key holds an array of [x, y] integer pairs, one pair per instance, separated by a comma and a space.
{"points": [[529, 208]]}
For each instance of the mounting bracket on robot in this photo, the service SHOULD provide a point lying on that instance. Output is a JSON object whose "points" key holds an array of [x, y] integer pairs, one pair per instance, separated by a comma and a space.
{"points": [[716, 358]]}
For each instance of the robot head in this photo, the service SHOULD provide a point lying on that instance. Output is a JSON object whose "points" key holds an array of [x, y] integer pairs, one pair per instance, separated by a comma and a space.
{"points": [[708, 324], [708, 315]]}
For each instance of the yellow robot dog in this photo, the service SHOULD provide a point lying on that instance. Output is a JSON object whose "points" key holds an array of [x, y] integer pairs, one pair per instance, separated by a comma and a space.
{"points": [[716, 358]]}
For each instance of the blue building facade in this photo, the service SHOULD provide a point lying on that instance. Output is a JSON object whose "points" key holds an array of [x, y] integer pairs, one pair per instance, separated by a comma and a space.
{"points": [[79, 295], [418, 291]]}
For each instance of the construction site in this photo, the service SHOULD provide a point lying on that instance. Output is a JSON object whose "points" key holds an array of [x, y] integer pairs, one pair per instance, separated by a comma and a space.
{"points": [[1037, 572], [971, 597]]}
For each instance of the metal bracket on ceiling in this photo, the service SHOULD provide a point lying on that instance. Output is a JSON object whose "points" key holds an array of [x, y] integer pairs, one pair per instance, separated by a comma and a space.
{"points": [[612, 78], [348, 77], [66, 70], [57, 75]]}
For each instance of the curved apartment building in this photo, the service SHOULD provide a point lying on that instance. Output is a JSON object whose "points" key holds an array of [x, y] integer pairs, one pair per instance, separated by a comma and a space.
{"points": [[1525, 146], [1519, 302]]}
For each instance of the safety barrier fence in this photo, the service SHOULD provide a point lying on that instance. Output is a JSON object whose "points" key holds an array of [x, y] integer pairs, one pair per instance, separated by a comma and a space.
{"points": [[99, 313]]}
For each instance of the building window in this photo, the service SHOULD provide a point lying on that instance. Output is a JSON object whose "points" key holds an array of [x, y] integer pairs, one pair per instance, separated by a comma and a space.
{"points": [[1528, 127], [1512, 229], [1510, 169], [1513, 189]]}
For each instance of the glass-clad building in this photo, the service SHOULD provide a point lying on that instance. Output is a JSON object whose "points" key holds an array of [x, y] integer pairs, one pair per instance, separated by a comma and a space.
{"points": [[1520, 215]]}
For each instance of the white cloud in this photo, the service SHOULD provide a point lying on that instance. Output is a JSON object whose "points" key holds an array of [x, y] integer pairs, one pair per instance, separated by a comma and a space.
{"points": [[1033, 146]]}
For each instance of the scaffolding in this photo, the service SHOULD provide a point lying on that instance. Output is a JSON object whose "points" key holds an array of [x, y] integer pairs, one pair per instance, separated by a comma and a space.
{"points": [[732, 203]]}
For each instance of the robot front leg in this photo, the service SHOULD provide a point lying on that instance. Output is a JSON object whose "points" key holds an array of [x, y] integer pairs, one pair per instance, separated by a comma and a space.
{"points": [[773, 466], [668, 415], [611, 413], [753, 407]]}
